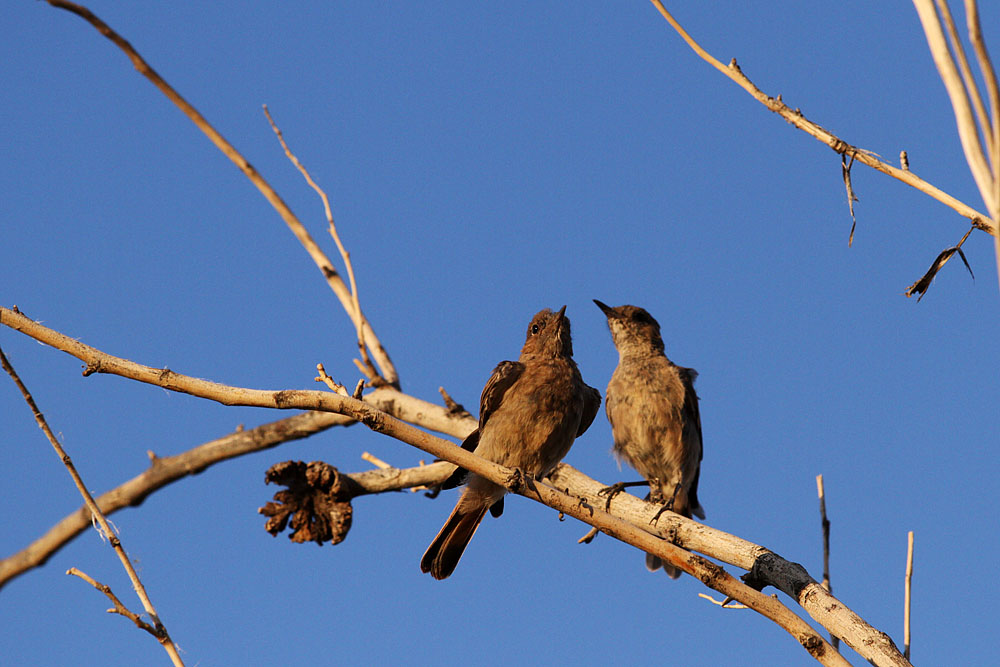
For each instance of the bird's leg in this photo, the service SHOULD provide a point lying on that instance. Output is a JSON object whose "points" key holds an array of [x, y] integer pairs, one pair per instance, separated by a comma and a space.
{"points": [[616, 488], [669, 505]]}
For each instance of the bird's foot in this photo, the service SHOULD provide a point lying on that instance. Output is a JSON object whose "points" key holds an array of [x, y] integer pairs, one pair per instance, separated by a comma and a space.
{"points": [[515, 481], [667, 506], [615, 489]]}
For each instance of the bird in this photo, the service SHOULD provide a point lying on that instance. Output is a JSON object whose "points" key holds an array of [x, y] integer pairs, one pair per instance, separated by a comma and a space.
{"points": [[655, 422], [530, 412]]}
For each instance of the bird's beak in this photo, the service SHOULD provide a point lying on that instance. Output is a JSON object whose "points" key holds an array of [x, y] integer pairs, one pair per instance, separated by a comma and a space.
{"points": [[606, 309]]}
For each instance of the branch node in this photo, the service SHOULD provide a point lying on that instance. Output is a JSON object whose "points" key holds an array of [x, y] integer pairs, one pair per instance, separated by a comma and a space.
{"points": [[454, 408]]}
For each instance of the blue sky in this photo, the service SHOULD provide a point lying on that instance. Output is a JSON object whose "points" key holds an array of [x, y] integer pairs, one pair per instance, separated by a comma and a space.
{"points": [[486, 160]]}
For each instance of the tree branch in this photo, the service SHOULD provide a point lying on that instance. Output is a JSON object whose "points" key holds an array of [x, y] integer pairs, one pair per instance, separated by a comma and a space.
{"points": [[315, 252], [118, 607], [159, 629], [959, 96], [357, 317], [795, 118], [582, 502]]}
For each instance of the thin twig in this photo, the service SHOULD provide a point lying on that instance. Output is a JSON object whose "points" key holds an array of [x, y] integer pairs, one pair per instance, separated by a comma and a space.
{"points": [[374, 460], [721, 603], [160, 631], [333, 278], [118, 607], [329, 381], [382, 465], [795, 118], [357, 317], [906, 602], [825, 522]]}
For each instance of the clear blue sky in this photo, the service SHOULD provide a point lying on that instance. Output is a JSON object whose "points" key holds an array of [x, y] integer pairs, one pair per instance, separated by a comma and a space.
{"points": [[486, 160]]}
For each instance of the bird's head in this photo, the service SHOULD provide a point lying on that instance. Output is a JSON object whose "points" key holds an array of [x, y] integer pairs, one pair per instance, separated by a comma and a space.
{"points": [[548, 335], [632, 328]]}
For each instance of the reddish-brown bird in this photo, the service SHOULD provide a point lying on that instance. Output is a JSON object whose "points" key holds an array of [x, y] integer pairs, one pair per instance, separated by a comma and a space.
{"points": [[653, 410], [530, 412]]}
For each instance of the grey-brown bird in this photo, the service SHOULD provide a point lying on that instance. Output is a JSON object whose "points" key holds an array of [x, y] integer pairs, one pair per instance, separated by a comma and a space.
{"points": [[653, 410], [530, 412]]}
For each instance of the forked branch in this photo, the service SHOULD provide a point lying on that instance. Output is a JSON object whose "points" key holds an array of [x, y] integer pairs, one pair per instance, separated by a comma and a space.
{"points": [[333, 278], [580, 499]]}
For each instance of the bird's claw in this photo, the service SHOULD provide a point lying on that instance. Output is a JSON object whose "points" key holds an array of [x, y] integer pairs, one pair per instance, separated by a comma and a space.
{"points": [[611, 492], [515, 481]]}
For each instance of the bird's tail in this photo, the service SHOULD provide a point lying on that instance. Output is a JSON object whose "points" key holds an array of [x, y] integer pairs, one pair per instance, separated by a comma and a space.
{"points": [[445, 551]]}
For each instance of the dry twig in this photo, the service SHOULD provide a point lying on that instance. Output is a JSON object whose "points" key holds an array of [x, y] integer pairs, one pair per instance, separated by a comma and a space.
{"points": [[333, 278], [159, 631], [118, 607], [825, 523], [795, 118], [721, 603], [357, 317], [906, 602]]}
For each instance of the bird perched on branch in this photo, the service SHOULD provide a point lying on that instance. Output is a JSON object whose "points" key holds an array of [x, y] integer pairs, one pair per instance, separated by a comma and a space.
{"points": [[653, 410], [530, 412]]}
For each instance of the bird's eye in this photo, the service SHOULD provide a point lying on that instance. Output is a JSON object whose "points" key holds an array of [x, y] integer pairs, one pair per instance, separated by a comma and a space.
{"points": [[535, 329]]}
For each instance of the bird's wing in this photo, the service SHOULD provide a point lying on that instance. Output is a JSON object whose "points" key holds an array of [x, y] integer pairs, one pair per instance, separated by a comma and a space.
{"points": [[692, 432], [690, 412], [591, 404], [457, 478], [504, 376]]}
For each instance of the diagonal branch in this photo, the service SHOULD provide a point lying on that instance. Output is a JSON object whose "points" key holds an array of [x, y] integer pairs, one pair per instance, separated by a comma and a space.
{"points": [[355, 311], [315, 252], [159, 630], [118, 607], [967, 131], [968, 82], [795, 118], [583, 503], [161, 472], [993, 92]]}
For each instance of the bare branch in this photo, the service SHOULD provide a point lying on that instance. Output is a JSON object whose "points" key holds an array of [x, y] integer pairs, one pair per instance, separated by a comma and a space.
{"points": [[967, 131], [972, 90], [118, 607], [763, 565], [721, 603], [906, 602], [357, 317], [164, 471], [160, 631], [315, 252], [825, 523], [766, 568], [795, 118], [993, 92]]}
